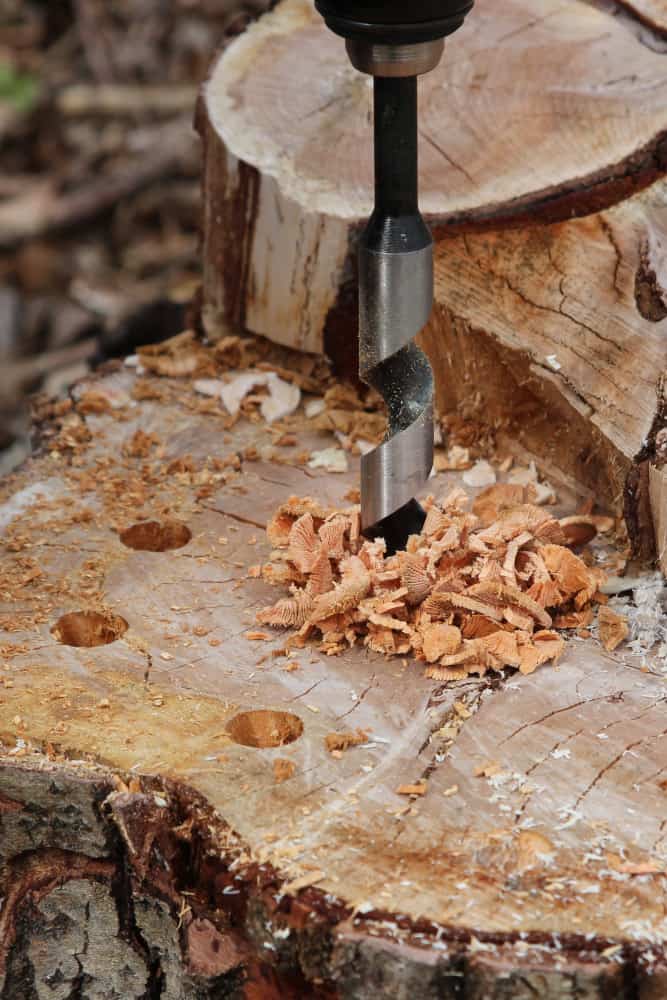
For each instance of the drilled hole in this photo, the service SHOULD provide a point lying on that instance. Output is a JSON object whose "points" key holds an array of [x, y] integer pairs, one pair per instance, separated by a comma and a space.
{"points": [[265, 728], [578, 533], [88, 628], [156, 536]]}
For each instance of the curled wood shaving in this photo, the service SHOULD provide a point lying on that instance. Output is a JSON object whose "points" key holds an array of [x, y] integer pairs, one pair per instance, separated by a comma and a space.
{"points": [[303, 545], [470, 594], [280, 525], [648, 867], [290, 612], [321, 577], [439, 641], [488, 504], [445, 674], [331, 536], [415, 579], [345, 597], [504, 595]]}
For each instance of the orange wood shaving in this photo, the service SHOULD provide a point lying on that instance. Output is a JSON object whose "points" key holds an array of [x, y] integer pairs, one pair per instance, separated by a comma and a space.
{"points": [[342, 741], [417, 789], [470, 594], [614, 628]]}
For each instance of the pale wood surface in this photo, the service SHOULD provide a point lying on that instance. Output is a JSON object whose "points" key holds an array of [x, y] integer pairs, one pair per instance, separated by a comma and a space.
{"points": [[160, 699]]}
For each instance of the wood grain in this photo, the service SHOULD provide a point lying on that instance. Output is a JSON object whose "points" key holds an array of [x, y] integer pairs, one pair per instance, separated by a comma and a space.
{"points": [[578, 750]]}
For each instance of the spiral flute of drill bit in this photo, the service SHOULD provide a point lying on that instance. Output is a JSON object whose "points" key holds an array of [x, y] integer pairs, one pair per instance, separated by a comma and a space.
{"points": [[395, 300]]}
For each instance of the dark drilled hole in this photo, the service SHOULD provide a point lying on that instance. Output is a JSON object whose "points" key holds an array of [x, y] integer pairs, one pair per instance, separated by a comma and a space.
{"points": [[156, 536], [265, 728], [88, 628]]}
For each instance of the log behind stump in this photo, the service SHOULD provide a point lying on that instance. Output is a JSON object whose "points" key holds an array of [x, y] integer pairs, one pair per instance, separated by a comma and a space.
{"points": [[543, 152]]}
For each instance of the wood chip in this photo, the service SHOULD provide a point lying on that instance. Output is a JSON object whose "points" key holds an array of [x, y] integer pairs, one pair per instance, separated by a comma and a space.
{"points": [[342, 741], [416, 789], [487, 770], [613, 627]]}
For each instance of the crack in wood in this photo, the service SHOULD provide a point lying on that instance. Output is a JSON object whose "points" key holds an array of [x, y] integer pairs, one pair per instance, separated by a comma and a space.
{"points": [[529, 26], [556, 711], [445, 155], [633, 718], [359, 700], [609, 233], [307, 691], [608, 767], [556, 746], [235, 517]]}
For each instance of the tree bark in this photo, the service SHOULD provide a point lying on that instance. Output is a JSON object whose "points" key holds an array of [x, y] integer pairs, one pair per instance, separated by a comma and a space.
{"points": [[543, 153]]}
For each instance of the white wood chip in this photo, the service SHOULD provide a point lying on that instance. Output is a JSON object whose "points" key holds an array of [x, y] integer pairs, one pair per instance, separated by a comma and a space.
{"points": [[481, 474]]}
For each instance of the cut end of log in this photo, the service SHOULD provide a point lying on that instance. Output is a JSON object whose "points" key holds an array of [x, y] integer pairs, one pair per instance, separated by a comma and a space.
{"points": [[542, 172]]}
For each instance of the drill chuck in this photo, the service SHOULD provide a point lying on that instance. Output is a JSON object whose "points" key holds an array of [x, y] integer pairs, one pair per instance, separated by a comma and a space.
{"points": [[394, 21]]}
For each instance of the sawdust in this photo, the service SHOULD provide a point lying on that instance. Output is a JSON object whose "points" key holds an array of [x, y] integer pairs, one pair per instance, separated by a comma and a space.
{"points": [[479, 589]]}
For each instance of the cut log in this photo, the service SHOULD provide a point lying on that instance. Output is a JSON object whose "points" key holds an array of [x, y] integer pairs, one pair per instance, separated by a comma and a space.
{"points": [[543, 153], [144, 719]]}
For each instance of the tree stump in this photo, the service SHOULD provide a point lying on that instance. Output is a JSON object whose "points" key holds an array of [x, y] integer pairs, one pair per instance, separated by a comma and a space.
{"points": [[543, 153], [171, 821]]}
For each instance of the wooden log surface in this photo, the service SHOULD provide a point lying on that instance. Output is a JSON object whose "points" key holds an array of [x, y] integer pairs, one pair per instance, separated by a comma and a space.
{"points": [[527, 880], [542, 162], [652, 13]]}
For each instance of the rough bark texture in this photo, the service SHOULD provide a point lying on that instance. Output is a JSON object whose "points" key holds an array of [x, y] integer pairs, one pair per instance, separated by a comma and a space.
{"points": [[164, 869], [543, 153]]}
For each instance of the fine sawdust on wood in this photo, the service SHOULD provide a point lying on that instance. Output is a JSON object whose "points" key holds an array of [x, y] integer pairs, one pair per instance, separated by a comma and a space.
{"points": [[484, 586]]}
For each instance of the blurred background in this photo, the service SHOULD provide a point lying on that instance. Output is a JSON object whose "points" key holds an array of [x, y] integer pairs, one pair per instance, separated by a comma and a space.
{"points": [[99, 183]]}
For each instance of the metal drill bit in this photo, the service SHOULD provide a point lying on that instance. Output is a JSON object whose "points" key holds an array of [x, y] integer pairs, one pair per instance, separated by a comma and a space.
{"points": [[395, 300], [395, 42]]}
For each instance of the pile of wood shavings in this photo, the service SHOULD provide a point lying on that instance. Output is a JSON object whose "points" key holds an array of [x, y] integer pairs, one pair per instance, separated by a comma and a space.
{"points": [[481, 588]]}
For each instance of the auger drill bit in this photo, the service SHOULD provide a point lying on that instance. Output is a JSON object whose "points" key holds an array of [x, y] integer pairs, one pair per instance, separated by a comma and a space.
{"points": [[395, 42]]}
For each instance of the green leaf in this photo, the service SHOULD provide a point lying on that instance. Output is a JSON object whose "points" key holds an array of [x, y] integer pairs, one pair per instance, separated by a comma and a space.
{"points": [[18, 89]]}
